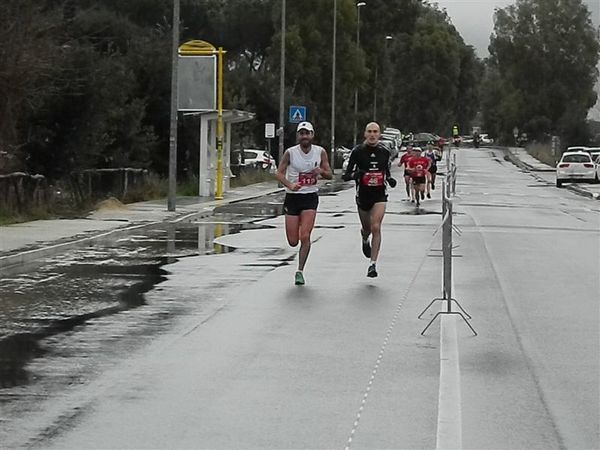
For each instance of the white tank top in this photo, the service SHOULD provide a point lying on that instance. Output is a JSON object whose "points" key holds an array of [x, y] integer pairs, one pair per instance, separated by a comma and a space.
{"points": [[300, 166]]}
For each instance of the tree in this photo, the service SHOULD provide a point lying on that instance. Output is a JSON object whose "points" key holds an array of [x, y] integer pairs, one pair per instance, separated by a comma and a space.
{"points": [[544, 54], [436, 76], [28, 57]]}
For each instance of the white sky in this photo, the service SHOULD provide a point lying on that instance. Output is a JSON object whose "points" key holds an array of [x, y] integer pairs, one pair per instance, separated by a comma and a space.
{"points": [[474, 20]]}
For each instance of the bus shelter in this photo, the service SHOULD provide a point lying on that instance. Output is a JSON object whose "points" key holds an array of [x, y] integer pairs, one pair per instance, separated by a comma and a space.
{"points": [[207, 172]]}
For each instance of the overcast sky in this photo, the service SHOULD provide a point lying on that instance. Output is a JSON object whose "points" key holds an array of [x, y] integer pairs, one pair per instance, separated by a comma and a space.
{"points": [[474, 19]]}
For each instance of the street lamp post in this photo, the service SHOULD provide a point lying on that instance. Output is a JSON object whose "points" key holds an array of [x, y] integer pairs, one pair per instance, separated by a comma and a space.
{"points": [[358, 6], [387, 38], [332, 159]]}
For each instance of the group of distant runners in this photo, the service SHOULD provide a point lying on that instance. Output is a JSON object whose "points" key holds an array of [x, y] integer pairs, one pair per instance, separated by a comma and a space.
{"points": [[420, 169], [369, 166]]}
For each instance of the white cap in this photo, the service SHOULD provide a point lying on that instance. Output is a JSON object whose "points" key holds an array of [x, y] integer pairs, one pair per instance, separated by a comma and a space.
{"points": [[305, 126]]}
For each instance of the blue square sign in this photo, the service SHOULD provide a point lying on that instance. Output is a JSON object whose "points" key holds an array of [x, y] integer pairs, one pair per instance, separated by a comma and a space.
{"points": [[297, 114]]}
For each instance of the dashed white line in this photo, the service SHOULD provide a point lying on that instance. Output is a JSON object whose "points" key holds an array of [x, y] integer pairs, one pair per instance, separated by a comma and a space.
{"points": [[382, 350]]}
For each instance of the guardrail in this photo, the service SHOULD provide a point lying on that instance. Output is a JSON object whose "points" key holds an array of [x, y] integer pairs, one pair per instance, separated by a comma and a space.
{"points": [[448, 227]]}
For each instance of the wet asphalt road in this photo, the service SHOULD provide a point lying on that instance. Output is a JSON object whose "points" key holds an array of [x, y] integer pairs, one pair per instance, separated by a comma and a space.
{"points": [[110, 343]]}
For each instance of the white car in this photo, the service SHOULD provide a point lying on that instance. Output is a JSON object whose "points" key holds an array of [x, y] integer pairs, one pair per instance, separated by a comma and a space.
{"points": [[575, 166], [486, 139], [577, 148], [260, 159], [595, 154]]}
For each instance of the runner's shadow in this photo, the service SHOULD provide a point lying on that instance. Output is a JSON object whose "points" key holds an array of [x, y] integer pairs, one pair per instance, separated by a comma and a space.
{"points": [[303, 296], [369, 294]]}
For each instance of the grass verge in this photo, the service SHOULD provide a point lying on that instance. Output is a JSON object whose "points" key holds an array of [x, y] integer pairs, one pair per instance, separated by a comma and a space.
{"points": [[252, 177], [543, 153]]}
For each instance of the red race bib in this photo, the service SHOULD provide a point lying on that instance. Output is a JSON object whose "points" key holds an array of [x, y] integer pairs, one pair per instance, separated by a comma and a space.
{"points": [[307, 178], [372, 179]]}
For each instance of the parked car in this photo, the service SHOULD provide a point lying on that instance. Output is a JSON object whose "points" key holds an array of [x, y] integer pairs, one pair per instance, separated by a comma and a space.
{"points": [[595, 154], [392, 146], [575, 166], [486, 139], [577, 148], [249, 157], [422, 139]]}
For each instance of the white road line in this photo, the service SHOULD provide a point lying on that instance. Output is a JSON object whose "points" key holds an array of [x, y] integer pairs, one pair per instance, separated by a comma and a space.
{"points": [[403, 298]]}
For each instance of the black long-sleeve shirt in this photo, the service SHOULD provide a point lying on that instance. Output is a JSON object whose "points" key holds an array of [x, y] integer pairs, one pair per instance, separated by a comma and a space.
{"points": [[366, 158]]}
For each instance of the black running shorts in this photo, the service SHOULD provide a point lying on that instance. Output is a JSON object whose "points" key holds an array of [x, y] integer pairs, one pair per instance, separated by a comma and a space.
{"points": [[366, 201], [418, 180], [433, 169], [294, 204]]}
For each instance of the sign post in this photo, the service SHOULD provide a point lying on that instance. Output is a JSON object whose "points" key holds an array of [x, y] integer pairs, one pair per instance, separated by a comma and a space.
{"points": [[269, 134]]}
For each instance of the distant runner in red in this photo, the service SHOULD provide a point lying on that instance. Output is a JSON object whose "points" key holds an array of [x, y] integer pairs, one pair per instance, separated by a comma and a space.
{"points": [[404, 162], [418, 167]]}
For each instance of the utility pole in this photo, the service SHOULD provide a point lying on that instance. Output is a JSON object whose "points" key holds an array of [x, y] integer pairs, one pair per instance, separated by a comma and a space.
{"points": [[282, 83], [171, 201], [332, 159]]}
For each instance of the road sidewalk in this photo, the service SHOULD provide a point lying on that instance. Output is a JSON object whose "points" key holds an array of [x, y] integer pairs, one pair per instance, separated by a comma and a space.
{"points": [[25, 242]]}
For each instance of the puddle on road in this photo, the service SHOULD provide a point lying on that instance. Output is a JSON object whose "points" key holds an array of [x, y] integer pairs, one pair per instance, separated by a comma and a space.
{"points": [[77, 314], [71, 290]]}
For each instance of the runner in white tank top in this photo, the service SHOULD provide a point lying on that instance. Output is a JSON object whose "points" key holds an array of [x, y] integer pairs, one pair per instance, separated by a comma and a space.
{"points": [[299, 169]]}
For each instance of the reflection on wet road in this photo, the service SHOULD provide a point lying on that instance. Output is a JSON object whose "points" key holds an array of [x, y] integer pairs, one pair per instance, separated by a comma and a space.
{"points": [[80, 313], [78, 309]]}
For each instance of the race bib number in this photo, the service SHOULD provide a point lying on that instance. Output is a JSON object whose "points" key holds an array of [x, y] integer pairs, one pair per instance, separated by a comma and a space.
{"points": [[372, 179], [307, 179], [419, 171]]}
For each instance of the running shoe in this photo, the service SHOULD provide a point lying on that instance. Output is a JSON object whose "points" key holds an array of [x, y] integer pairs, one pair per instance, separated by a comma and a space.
{"points": [[366, 248], [433, 187], [299, 279], [372, 271], [412, 200], [422, 195], [418, 203], [428, 195]]}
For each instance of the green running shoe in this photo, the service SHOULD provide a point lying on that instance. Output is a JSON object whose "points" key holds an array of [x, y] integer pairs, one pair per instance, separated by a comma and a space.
{"points": [[299, 279]]}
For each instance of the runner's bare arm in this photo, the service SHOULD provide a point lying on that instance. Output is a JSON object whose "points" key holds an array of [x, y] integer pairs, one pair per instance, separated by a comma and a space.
{"points": [[325, 168], [283, 164]]}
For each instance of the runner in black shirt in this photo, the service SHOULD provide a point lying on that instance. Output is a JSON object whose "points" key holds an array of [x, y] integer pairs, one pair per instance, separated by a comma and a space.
{"points": [[369, 166]]}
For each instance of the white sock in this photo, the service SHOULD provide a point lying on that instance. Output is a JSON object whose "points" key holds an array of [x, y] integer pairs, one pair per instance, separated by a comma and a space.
{"points": [[373, 262], [298, 271]]}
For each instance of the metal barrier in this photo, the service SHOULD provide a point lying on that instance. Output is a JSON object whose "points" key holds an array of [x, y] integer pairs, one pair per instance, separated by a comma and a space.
{"points": [[448, 192]]}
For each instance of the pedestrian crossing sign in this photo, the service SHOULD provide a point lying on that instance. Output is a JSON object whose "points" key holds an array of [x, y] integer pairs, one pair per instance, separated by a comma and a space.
{"points": [[297, 114]]}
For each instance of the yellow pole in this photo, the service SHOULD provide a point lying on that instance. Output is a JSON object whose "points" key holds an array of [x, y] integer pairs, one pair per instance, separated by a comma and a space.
{"points": [[219, 189]]}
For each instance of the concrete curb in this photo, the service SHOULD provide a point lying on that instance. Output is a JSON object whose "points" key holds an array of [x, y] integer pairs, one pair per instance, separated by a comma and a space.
{"points": [[10, 263]]}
